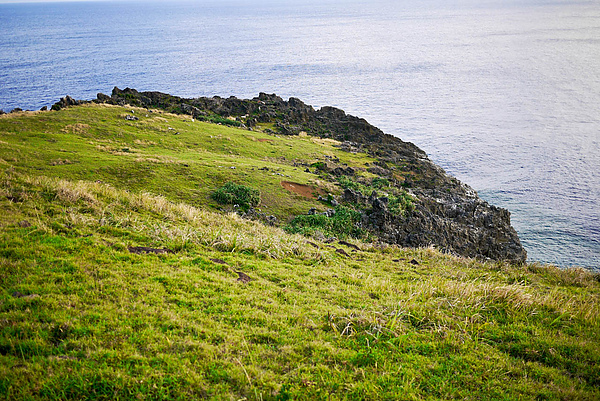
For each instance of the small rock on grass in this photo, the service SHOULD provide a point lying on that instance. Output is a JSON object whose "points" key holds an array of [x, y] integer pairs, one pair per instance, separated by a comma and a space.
{"points": [[144, 249], [17, 294], [342, 252], [349, 245], [243, 277]]}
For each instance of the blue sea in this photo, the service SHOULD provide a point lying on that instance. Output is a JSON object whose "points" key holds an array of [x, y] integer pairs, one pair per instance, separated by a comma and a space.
{"points": [[503, 94]]}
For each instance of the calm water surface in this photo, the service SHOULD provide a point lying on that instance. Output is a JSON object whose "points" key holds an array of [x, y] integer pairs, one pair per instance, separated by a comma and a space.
{"points": [[505, 95]]}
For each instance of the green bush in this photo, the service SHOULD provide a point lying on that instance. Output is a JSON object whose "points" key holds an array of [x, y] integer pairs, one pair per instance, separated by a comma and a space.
{"points": [[344, 223], [216, 119], [398, 204], [236, 194], [379, 182], [399, 200], [319, 165], [347, 183]]}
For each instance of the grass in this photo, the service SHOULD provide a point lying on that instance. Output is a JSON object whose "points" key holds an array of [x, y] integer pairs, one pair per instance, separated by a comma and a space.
{"points": [[399, 201], [344, 223], [84, 317]]}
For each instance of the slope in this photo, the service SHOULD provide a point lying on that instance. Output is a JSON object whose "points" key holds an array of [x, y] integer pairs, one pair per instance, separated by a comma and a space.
{"points": [[121, 279]]}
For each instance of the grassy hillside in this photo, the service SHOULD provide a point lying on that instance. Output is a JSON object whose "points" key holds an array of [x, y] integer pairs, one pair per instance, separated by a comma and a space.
{"points": [[165, 154], [122, 279]]}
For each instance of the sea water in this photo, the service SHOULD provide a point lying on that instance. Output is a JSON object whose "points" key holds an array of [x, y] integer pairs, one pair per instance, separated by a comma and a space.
{"points": [[504, 95]]}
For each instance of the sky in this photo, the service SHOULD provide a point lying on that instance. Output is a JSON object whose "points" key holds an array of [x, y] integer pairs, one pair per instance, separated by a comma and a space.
{"points": [[43, 1]]}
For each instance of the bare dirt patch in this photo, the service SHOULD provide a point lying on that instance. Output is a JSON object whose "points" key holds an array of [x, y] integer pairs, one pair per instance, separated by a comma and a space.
{"points": [[301, 189], [264, 140]]}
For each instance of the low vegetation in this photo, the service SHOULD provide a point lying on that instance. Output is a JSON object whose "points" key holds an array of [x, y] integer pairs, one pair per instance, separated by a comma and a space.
{"points": [[120, 279], [341, 222], [241, 196], [399, 201]]}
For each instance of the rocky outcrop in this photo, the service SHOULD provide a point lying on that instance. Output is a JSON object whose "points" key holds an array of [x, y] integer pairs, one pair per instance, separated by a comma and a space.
{"points": [[446, 213], [465, 225], [66, 102]]}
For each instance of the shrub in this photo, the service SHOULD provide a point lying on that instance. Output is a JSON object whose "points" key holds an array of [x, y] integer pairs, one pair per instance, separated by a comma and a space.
{"points": [[236, 194], [399, 200], [379, 182], [398, 204], [345, 222], [347, 183], [216, 119]]}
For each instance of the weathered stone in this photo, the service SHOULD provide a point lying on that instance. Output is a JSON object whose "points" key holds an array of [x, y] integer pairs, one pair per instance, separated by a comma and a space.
{"points": [[66, 102], [102, 97], [353, 197]]}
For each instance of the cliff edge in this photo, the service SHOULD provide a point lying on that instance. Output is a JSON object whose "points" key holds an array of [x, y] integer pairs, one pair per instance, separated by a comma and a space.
{"points": [[444, 212]]}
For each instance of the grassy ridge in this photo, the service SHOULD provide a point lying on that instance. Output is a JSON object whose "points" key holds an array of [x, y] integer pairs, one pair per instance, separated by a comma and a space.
{"points": [[165, 154], [220, 307]]}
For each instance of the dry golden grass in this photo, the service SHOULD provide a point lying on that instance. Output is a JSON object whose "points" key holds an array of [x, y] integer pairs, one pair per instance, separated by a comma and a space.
{"points": [[228, 233], [78, 129]]}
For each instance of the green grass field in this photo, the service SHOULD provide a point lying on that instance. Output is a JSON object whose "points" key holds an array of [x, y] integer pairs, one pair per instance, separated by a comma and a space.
{"points": [[122, 278]]}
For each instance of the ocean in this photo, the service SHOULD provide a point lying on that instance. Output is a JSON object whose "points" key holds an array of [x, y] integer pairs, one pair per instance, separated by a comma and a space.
{"points": [[504, 95]]}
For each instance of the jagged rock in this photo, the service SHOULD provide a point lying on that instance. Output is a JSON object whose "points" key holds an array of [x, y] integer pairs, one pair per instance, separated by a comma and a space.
{"points": [[243, 277], [382, 172], [343, 171], [380, 204], [66, 102], [103, 98], [354, 197], [144, 249]]}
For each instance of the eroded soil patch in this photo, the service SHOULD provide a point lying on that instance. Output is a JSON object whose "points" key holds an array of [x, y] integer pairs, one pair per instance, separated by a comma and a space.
{"points": [[301, 189]]}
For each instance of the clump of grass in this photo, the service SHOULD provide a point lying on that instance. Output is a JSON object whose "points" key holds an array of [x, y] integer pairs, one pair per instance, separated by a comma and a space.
{"points": [[237, 194], [216, 119], [399, 201], [343, 223]]}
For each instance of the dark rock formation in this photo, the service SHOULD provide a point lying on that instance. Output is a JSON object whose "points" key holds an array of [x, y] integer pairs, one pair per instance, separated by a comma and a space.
{"points": [[460, 223], [66, 102], [446, 213]]}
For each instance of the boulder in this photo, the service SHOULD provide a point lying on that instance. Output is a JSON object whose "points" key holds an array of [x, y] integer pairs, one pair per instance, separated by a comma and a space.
{"points": [[66, 102]]}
